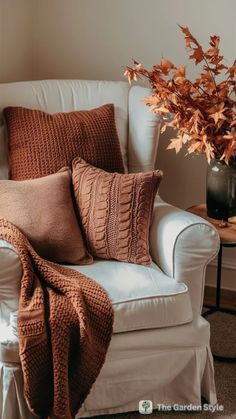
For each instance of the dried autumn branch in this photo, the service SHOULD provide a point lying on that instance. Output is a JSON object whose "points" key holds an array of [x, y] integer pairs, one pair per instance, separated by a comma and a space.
{"points": [[203, 111]]}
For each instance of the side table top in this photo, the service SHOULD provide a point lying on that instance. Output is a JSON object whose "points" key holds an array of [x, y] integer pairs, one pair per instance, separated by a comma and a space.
{"points": [[227, 234]]}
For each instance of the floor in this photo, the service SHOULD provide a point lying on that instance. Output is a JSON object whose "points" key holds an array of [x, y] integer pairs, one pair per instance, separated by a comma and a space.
{"points": [[228, 298]]}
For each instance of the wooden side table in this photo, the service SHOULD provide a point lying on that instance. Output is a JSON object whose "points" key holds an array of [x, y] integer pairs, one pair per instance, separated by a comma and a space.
{"points": [[227, 239]]}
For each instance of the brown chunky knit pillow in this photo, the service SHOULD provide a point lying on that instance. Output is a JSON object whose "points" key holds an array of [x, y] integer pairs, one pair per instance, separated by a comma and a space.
{"points": [[41, 143], [43, 210], [115, 211]]}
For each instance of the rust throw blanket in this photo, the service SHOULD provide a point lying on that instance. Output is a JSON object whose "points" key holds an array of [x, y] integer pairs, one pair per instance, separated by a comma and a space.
{"points": [[64, 325]]}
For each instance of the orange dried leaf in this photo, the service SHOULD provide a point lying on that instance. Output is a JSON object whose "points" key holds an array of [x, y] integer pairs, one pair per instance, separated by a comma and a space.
{"points": [[189, 39], [180, 71], [194, 147], [176, 143], [215, 40], [163, 128], [166, 63], [197, 55], [232, 70], [151, 100], [130, 74], [218, 113]]}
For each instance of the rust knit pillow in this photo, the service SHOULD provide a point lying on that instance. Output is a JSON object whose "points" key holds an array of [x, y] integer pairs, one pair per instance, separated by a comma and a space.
{"points": [[43, 210], [115, 211], [41, 143]]}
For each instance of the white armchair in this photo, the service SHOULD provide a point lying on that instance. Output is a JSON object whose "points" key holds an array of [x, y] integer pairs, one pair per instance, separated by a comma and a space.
{"points": [[160, 347]]}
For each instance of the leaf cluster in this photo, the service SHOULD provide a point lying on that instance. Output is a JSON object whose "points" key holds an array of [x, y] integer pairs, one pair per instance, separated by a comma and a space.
{"points": [[203, 111]]}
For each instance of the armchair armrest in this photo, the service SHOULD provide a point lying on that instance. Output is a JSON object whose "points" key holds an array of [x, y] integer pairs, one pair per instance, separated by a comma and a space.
{"points": [[10, 276], [182, 245]]}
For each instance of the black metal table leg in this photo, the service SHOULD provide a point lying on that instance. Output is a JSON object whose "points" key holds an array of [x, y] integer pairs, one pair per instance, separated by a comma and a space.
{"points": [[218, 282], [217, 307]]}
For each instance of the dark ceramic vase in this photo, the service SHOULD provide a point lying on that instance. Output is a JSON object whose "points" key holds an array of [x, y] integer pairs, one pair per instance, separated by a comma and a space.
{"points": [[221, 190]]}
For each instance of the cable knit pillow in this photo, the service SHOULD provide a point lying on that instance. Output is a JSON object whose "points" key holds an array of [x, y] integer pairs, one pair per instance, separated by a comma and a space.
{"points": [[43, 210], [115, 211], [42, 143]]}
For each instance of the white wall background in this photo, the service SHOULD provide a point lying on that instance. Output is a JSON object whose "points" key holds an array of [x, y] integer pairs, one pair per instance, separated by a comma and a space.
{"points": [[95, 39]]}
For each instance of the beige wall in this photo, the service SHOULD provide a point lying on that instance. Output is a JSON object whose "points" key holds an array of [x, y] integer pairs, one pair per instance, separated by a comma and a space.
{"points": [[16, 40], [95, 39]]}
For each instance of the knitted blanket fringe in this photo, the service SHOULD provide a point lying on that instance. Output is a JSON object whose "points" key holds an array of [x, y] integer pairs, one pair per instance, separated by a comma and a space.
{"points": [[64, 326]]}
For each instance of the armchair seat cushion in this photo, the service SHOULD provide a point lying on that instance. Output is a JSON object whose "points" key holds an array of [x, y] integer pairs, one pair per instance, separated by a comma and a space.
{"points": [[142, 297]]}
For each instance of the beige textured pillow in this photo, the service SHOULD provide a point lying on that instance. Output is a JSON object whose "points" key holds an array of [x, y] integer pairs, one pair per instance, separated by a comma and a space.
{"points": [[42, 209], [115, 211]]}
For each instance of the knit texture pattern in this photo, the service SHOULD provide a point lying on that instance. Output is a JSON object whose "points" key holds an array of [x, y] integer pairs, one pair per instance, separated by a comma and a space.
{"points": [[115, 211], [40, 143], [64, 326]]}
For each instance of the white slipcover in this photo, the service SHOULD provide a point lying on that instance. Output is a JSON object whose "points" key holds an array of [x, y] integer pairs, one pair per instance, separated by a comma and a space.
{"points": [[160, 347]]}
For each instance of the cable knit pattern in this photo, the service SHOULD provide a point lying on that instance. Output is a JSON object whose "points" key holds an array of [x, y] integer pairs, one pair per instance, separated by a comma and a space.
{"points": [[115, 211], [64, 326], [41, 143]]}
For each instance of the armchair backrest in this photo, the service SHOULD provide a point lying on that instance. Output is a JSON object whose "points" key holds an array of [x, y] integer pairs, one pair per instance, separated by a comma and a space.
{"points": [[138, 129]]}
